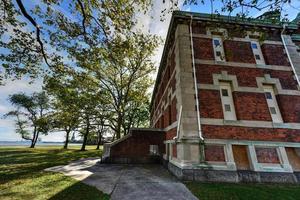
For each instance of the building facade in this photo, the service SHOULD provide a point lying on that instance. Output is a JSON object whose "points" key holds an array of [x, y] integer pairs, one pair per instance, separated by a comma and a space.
{"points": [[228, 98]]}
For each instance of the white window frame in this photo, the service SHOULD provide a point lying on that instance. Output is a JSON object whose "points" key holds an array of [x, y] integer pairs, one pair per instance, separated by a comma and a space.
{"points": [[257, 52], [218, 48], [272, 103], [227, 100]]}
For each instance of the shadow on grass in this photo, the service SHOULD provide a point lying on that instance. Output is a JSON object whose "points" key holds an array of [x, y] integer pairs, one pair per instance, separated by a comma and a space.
{"points": [[23, 163], [231, 191], [80, 191]]}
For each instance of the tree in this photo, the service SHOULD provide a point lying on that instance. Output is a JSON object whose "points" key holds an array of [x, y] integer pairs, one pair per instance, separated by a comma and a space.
{"points": [[90, 44], [31, 115], [126, 65], [33, 38], [65, 115]]}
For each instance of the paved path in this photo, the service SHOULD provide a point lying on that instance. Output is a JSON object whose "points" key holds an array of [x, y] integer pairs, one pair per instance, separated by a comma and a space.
{"points": [[130, 182]]}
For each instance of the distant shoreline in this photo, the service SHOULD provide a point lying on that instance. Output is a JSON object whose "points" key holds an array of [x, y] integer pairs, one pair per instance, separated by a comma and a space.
{"points": [[26, 143]]}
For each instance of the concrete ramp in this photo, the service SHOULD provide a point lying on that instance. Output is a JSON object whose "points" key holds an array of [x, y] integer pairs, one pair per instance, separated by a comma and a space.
{"points": [[127, 182]]}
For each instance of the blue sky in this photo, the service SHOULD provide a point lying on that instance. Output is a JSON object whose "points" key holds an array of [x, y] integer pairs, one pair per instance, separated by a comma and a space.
{"points": [[147, 22]]}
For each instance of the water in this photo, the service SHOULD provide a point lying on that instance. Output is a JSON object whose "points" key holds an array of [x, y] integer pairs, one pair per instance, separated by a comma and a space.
{"points": [[27, 143]]}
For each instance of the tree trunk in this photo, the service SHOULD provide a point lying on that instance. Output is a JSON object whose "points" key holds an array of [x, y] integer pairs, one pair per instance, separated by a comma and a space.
{"points": [[33, 142], [85, 137], [33, 137], [99, 142], [119, 125], [99, 138], [84, 142], [67, 138]]}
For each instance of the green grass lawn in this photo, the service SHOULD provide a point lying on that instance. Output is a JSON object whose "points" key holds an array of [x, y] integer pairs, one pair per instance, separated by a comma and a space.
{"points": [[226, 191], [22, 176]]}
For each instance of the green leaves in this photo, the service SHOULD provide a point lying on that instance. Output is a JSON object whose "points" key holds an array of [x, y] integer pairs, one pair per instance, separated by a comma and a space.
{"points": [[31, 115]]}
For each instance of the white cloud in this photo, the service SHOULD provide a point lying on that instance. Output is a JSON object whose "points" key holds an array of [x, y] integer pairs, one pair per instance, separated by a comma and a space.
{"points": [[7, 125]]}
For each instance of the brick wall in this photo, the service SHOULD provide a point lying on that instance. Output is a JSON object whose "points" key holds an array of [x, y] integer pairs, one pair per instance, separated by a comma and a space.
{"points": [[166, 117], [274, 54], [214, 153], [289, 107], [247, 133], [138, 145], [237, 51], [174, 150], [198, 29], [210, 104], [203, 48], [167, 82], [286, 78], [170, 134], [173, 110], [267, 155], [246, 77], [251, 106]]}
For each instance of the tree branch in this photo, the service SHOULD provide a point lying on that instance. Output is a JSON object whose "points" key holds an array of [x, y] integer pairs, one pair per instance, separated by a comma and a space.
{"points": [[83, 20], [38, 31]]}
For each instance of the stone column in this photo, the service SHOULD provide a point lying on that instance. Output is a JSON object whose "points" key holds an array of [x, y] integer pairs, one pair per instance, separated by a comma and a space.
{"points": [[188, 143]]}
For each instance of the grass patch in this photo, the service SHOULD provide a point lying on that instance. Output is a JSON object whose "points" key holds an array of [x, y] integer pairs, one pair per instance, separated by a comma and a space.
{"points": [[22, 175], [227, 191]]}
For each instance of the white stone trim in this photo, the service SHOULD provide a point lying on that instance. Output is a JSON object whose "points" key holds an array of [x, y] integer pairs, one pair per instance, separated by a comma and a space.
{"points": [[238, 39], [284, 165], [208, 165], [243, 65], [274, 81], [225, 77], [251, 142], [248, 89], [173, 125], [249, 123]]}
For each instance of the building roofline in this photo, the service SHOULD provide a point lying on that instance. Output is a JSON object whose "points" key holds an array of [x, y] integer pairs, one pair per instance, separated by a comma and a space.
{"points": [[213, 18]]}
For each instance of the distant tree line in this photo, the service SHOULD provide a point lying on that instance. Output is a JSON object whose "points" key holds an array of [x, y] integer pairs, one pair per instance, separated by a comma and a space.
{"points": [[94, 62]]}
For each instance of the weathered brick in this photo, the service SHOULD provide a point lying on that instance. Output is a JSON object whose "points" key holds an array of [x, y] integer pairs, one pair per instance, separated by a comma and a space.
{"points": [[173, 110], [210, 104], [246, 77], [170, 134], [203, 48], [198, 28], [247, 133], [214, 153], [237, 51], [289, 106], [138, 145], [174, 150], [251, 106], [274, 54]]}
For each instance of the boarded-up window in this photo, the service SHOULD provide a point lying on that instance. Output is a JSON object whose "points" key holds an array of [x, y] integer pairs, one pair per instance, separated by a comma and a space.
{"points": [[267, 155], [294, 158], [240, 155]]}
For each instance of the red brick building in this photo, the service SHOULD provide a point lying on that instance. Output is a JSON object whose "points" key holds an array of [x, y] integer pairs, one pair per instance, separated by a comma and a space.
{"points": [[226, 102], [228, 98]]}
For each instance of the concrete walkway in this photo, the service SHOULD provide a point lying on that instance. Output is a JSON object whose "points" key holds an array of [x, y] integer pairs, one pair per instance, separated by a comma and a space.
{"points": [[124, 182]]}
